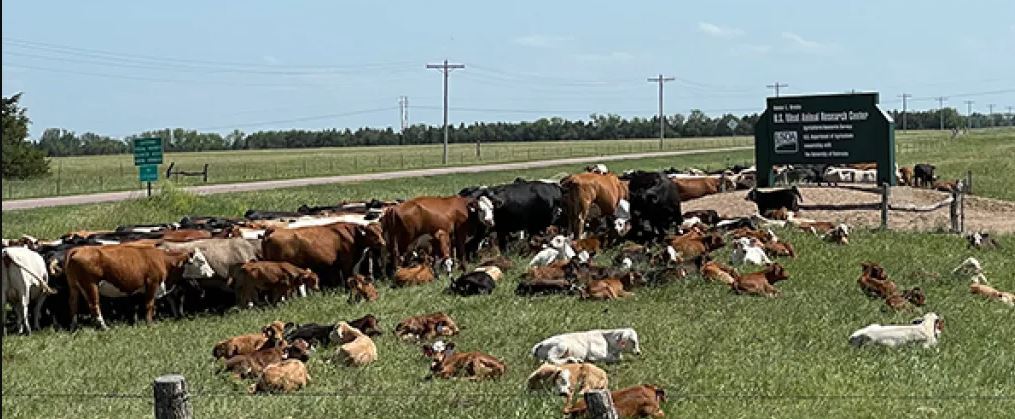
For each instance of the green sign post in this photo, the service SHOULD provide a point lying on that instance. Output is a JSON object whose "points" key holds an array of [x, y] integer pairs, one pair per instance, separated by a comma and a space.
{"points": [[822, 130], [147, 158]]}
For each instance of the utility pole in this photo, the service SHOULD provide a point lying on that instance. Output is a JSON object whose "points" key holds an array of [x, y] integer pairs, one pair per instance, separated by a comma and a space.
{"points": [[403, 111], [990, 113], [941, 110], [776, 86], [662, 120], [969, 114], [446, 69], [1010, 119], [904, 96]]}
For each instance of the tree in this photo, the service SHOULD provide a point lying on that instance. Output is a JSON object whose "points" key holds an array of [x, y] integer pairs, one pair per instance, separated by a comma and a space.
{"points": [[21, 160]]}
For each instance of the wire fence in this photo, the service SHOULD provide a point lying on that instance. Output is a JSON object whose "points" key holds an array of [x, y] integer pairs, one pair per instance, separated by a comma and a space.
{"points": [[404, 395]]}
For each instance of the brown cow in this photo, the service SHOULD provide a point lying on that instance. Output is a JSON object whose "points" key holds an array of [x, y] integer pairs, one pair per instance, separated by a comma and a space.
{"points": [[282, 377], [130, 270], [185, 235], [761, 283], [361, 288], [457, 216], [245, 344], [472, 366], [874, 281], [716, 271], [279, 279], [427, 326], [906, 175], [583, 190], [612, 288], [324, 248], [693, 188], [694, 244], [638, 401], [780, 248], [418, 274], [274, 351]]}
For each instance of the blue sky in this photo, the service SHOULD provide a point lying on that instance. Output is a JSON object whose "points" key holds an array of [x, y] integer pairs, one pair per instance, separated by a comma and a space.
{"points": [[117, 68]]}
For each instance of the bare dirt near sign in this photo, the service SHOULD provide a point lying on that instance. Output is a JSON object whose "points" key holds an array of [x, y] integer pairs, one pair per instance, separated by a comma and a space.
{"points": [[982, 214]]}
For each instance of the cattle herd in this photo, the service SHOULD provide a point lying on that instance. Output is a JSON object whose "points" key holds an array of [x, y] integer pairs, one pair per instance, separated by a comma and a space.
{"points": [[215, 264]]}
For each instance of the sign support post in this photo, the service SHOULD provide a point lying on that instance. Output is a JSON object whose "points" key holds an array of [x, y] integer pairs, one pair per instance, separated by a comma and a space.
{"points": [[147, 158]]}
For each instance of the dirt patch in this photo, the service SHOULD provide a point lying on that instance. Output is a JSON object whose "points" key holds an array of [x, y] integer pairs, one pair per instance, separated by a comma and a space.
{"points": [[860, 207]]}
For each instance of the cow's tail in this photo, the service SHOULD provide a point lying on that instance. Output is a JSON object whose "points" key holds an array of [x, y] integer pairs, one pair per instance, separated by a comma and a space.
{"points": [[796, 191]]}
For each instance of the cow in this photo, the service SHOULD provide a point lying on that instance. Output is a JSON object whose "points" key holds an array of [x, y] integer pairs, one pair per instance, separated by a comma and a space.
{"points": [[361, 289], [25, 281], [905, 176], [282, 377], [279, 279], [772, 200], [473, 366], [460, 217], [655, 203], [874, 281], [761, 283], [582, 191], [357, 348], [218, 293], [589, 346], [528, 206], [697, 187], [320, 334], [129, 270], [709, 217], [418, 274], [426, 326], [924, 330], [245, 344], [274, 351], [637, 401], [481, 281], [568, 379], [748, 250], [612, 288], [923, 175], [332, 250]]}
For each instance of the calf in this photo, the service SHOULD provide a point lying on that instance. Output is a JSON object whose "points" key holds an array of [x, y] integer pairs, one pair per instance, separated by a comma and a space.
{"points": [[245, 344], [481, 281], [925, 330], [949, 186], [905, 176], [748, 250], [567, 379], [25, 280], [472, 366], [982, 241], [691, 245], [252, 364], [761, 283], [604, 345], [923, 175], [838, 235], [357, 348], [777, 214], [710, 217], [715, 271], [764, 236], [427, 326], [361, 288], [874, 281], [282, 377], [780, 248], [320, 334], [781, 198], [559, 249], [279, 279], [612, 288], [419, 274], [592, 244], [637, 401], [908, 298]]}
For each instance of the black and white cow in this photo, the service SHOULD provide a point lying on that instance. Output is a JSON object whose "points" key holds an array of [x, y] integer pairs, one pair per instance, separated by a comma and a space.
{"points": [[655, 204], [529, 206]]}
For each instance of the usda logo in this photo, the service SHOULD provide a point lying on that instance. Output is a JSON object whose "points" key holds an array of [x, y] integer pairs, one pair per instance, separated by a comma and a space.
{"points": [[786, 142]]}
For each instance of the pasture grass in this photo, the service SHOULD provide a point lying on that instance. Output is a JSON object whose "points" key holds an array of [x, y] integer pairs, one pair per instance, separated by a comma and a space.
{"points": [[717, 354], [88, 174]]}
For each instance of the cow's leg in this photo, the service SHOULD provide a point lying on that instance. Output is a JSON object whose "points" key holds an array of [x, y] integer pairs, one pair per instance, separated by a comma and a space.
{"points": [[149, 294], [37, 310], [21, 313], [72, 303], [91, 293], [460, 239]]}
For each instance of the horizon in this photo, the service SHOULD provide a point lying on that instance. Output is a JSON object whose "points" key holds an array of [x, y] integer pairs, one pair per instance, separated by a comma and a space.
{"points": [[121, 69]]}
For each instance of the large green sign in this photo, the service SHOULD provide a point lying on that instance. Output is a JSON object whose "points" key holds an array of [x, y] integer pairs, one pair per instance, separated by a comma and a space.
{"points": [[825, 129], [147, 151], [148, 173]]}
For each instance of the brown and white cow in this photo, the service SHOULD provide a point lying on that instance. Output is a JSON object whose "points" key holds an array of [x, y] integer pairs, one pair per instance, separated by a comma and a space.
{"points": [[129, 270], [583, 190], [459, 217], [472, 366], [282, 377], [245, 344], [632, 402], [426, 326], [333, 251], [278, 279]]}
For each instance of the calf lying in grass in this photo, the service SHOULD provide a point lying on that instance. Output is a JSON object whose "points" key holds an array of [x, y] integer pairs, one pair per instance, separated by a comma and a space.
{"points": [[471, 366], [761, 283], [925, 331], [282, 377], [637, 401], [567, 379], [246, 344]]}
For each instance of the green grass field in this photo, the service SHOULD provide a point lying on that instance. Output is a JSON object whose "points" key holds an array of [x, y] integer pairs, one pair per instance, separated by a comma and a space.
{"points": [[87, 174], [717, 354]]}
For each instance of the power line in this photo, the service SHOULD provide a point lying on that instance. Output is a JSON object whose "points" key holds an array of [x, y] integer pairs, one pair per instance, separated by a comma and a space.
{"points": [[662, 119], [300, 119], [775, 86], [153, 79], [446, 69]]}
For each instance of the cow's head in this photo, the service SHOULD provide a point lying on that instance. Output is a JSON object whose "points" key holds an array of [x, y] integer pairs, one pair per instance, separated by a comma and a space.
{"points": [[299, 349], [621, 226], [627, 340], [196, 266], [562, 382], [309, 278], [483, 207], [774, 272], [916, 296], [370, 236], [361, 287]]}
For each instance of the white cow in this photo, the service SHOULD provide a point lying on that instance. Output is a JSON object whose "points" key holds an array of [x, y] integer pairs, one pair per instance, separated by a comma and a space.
{"points": [[590, 346], [925, 330], [559, 249], [25, 279], [746, 250]]}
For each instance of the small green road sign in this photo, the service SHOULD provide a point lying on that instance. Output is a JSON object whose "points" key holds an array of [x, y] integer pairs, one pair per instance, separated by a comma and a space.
{"points": [[148, 173], [147, 151]]}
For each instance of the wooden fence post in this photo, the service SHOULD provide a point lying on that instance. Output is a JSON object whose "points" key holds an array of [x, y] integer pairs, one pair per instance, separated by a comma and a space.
{"points": [[206, 173], [969, 182], [885, 194], [172, 400], [600, 405], [954, 212], [962, 212]]}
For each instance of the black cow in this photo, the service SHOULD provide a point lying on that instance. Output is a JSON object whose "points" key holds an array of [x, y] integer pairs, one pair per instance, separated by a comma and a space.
{"points": [[655, 204], [473, 283], [789, 198], [529, 206], [923, 175]]}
